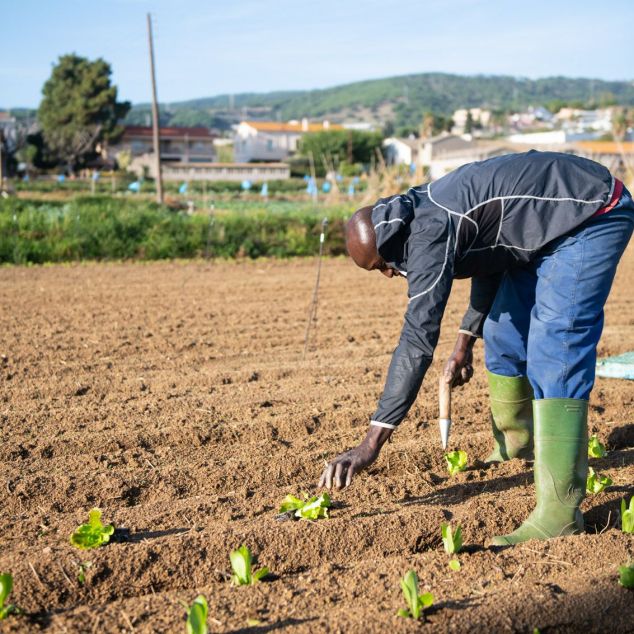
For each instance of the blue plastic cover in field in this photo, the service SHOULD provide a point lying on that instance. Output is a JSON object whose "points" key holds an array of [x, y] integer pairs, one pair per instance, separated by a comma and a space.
{"points": [[619, 367]]}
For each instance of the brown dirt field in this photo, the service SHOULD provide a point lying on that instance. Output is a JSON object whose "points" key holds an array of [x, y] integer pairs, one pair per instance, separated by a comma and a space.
{"points": [[174, 397]]}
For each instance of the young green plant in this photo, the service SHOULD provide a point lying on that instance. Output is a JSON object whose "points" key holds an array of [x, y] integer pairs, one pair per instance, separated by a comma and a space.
{"points": [[454, 564], [241, 566], [197, 616], [626, 576], [456, 461], [416, 603], [93, 534], [596, 483], [627, 516], [595, 448], [6, 585], [81, 572], [312, 508], [451, 540]]}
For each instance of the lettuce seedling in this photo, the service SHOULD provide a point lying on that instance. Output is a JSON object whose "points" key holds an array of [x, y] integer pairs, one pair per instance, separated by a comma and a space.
{"points": [[6, 585], [93, 534], [627, 516], [241, 566], [595, 448], [596, 483], [456, 461], [454, 564], [312, 508], [81, 573], [452, 540], [626, 576], [197, 616], [416, 603]]}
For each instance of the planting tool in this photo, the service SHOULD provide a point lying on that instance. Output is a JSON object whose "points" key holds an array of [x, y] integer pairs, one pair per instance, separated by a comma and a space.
{"points": [[444, 407]]}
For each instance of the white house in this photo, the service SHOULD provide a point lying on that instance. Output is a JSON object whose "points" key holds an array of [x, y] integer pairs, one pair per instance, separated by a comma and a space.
{"points": [[436, 146], [444, 162], [401, 151], [272, 140], [478, 116], [550, 137]]}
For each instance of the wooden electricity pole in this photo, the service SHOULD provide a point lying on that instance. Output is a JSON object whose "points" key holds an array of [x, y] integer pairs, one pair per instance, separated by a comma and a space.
{"points": [[155, 118], [1, 162]]}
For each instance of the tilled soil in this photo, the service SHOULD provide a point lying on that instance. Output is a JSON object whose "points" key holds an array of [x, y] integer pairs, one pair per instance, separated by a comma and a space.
{"points": [[174, 397]]}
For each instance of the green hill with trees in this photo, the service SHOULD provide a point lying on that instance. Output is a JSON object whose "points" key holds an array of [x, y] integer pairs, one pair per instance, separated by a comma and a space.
{"points": [[403, 100]]}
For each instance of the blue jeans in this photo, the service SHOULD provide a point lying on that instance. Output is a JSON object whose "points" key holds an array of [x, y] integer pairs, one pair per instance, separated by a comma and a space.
{"points": [[547, 316]]}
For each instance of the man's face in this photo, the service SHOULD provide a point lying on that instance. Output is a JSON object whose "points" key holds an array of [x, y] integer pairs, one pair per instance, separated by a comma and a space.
{"points": [[361, 245], [379, 264]]}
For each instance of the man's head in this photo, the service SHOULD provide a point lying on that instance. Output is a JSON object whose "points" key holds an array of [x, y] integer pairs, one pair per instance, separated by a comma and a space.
{"points": [[361, 243]]}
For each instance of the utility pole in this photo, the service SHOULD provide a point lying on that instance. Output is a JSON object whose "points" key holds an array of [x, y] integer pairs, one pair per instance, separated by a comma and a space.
{"points": [[155, 118], [1, 162]]}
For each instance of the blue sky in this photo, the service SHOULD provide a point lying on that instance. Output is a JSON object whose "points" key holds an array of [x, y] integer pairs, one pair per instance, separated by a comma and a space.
{"points": [[205, 48]]}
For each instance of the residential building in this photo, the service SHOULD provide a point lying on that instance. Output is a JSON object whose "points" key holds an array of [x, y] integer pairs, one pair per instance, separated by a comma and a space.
{"points": [[576, 120], [186, 145], [401, 151], [533, 118], [550, 137], [618, 157], [479, 117], [144, 166], [272, 140], [450, 158], [360, 126], [436, 146]]}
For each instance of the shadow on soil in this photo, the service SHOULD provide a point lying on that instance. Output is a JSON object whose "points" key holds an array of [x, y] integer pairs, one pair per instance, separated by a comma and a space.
{"points": [[606, 515], [622, 437], [143, 535], [271, 627], [613, 456], [460, 492]]}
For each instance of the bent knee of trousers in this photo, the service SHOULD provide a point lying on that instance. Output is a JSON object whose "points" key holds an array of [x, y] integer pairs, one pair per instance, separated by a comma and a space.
{"points": [[504, 349]]}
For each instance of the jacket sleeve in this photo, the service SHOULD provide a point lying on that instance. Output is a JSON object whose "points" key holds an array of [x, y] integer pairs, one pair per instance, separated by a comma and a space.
{"points": [[429, 277], [483, 292]]}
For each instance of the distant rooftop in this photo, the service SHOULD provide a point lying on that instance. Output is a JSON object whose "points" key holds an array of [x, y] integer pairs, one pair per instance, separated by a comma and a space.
{"points": [[607, 147], [292, 126]]}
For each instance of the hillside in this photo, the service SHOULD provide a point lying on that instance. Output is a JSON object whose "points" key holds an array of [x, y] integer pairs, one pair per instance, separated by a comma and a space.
{"points": [[401, 99]]}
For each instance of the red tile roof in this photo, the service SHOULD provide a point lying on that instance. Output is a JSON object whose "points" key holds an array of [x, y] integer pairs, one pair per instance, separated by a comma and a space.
{"points": [[277, 126], [607, 147]]}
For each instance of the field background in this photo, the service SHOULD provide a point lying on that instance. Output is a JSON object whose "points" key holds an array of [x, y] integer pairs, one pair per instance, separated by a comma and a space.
{"points": [[173, 395]]}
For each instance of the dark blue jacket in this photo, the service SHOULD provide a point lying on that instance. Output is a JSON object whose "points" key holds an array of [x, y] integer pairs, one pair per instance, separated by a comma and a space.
{"points": [[477, 221]]}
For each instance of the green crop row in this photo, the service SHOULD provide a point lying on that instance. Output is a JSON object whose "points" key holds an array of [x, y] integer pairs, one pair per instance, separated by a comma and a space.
{"points": [[105, 227], [121, 181]]}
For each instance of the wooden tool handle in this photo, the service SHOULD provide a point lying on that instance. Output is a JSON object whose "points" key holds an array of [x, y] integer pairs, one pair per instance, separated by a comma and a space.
{"points": [[444, 398]]}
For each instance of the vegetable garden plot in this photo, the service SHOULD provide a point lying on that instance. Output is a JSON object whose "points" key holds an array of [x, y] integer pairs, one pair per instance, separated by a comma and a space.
{"points": [[173, 397]]}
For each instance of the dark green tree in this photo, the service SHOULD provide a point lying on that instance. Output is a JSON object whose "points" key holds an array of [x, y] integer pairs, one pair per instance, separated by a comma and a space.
{"points": [[469, 125], [332, 147], [79, 109]]}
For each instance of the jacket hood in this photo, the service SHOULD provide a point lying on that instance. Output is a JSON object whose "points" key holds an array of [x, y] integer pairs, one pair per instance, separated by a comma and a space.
{"points": [[391, 218]]}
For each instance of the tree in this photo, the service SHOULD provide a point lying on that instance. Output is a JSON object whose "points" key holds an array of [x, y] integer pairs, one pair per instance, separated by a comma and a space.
{"points": [[427, 126], [621, 120], [433, 124], [332, 146], [79, 109], [468, 126]]}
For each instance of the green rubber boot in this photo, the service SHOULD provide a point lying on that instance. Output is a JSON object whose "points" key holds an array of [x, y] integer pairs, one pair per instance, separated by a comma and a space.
{"points": [[511, 417], [561, 469]]}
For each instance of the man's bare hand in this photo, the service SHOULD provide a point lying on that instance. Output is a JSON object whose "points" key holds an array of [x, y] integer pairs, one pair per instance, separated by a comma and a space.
{"points": [[459, 367], [340, 471]]}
